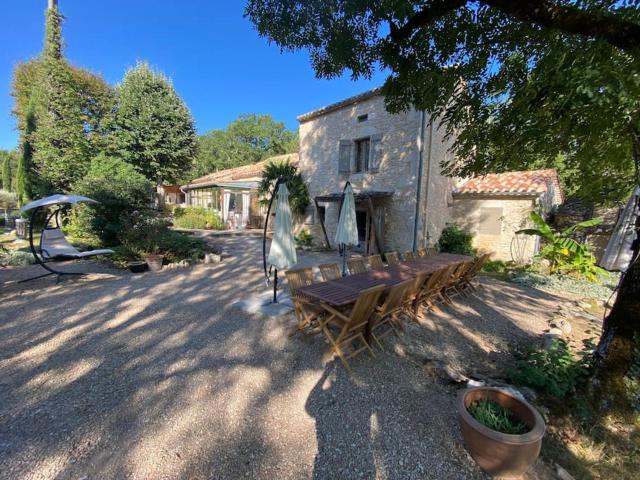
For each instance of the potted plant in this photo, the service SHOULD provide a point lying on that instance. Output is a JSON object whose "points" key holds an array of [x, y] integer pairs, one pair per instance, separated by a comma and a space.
{"points": [[502, 433], [143, 235]]}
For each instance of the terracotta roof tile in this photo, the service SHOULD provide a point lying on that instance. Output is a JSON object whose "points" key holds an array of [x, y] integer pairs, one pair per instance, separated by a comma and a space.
{"points": [[244, 172], [528, 182]]}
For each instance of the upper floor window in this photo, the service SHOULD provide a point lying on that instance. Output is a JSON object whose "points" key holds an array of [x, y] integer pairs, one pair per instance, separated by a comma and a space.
{"points": [[362, 155], [363, 118]]}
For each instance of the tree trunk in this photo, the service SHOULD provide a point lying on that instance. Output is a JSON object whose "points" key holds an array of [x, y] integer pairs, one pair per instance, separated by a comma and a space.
{"points": [[614, 355]]}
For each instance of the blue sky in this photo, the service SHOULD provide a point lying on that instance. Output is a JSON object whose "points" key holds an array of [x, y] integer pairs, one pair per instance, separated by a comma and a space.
{"points": [[218, 63]]}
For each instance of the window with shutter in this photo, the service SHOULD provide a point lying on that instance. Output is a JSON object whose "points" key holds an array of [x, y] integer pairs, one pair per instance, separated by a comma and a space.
{"points": [[344, 156], [374, 152]]}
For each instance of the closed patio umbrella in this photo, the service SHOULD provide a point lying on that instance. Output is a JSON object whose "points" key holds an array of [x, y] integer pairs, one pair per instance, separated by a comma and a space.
{"points": [[282, 253], [347, 232]]}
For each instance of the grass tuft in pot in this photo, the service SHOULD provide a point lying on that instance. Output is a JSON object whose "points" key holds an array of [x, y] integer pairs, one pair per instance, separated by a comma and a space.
{"points": [[497, 417]]}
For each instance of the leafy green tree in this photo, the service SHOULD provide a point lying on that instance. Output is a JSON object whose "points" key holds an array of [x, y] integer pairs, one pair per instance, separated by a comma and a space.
{"points": [[152, 127], [69, 105], [248, 139], [298, 193], [6, 171], [119, 188], [511, 83]]}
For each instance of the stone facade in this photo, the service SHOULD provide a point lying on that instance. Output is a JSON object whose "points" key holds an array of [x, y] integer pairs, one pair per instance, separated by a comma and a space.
{"points": [[494, 221], [397, 142]]}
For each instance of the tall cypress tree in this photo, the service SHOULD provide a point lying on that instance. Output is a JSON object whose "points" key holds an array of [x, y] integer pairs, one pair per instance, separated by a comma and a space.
{"points": [[6, 171], [70, 104], [24, 177]]}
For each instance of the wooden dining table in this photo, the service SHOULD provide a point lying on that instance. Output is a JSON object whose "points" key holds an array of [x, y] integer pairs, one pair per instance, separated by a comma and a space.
{"points": [[344, 291]]}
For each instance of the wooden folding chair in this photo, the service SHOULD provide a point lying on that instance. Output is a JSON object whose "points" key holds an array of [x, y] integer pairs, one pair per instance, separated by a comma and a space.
{"points": [[432, 291], [392, 258], [375, 262], [421, 252], [466, 282], [430, 251], [451, 289], [351, 327], [412, 297], [330, 271], [306, 311], [356, 265], [389, 312], [409, 256]]}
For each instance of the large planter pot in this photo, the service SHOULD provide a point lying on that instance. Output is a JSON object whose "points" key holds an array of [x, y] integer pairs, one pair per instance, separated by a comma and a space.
{"points": [[500, 454], [154, 262], [137, 267]]}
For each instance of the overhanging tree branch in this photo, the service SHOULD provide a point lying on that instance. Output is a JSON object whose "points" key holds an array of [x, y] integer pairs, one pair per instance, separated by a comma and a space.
{"points": [[617, 31]]}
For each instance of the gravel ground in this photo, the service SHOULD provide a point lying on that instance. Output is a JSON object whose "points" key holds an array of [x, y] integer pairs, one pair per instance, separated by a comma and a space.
{"points": [[155, 376]]}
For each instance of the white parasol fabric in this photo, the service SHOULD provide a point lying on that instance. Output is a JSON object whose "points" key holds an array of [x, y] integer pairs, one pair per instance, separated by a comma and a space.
{"points": [[347, 232], [282, 253], [56, 199], [618, 254]]}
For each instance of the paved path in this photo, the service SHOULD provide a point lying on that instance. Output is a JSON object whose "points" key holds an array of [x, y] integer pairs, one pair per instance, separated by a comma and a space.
{"points": [[156, 376]]}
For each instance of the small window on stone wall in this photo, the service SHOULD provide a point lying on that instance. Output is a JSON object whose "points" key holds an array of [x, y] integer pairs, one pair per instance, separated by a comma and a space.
{"points": [[363, 118], [490, 222]]}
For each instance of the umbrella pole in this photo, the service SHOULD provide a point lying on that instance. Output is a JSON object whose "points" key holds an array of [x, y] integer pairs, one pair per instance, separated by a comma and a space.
{"points": [[275, 285]]}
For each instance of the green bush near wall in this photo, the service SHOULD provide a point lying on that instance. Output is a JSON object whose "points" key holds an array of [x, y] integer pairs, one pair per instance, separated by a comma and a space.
{"points": [[197, 218], [454, 239]]}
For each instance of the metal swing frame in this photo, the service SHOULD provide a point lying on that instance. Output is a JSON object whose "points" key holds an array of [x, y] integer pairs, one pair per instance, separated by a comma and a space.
{"points": [[39, 258]]}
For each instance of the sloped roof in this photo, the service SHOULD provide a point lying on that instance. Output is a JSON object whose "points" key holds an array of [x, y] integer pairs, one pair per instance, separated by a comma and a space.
{"points": [[526, 183], [341, 104], [245, 173]]}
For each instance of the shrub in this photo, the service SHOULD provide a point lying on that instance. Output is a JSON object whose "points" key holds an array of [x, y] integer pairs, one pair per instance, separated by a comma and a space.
{"points": [[554, 371], [563, 252], [453, 239], [304, 238], [148, 233], [197, 218], [119, 188], [15, 258]]}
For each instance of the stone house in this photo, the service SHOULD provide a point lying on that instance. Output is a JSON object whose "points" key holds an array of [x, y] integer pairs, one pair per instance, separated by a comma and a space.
{"points": [[232, 193], [393, 163], [494, 207]]}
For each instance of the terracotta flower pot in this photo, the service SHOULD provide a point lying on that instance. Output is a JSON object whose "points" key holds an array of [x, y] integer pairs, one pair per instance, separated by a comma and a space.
{"points": [[500, 454], [154, 262]]}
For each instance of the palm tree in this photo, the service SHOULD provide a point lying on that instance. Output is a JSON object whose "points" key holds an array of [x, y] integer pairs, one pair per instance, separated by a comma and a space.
{"points": [[298, 193]]}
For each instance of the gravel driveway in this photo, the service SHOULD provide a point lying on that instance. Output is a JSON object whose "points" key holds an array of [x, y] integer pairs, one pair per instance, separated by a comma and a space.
{"points": [[156, 376]]}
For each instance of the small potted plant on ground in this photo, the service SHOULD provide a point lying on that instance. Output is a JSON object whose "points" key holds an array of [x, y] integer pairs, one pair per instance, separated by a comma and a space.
{"points": [[143, 235], [502, 433]]}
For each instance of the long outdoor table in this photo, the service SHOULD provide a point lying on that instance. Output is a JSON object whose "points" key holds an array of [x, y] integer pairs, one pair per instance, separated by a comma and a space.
{"points": [[345, 290]]}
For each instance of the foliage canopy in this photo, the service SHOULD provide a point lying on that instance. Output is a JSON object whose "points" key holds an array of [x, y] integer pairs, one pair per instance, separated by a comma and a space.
{"points": [[248, 139], [517, 82], [152, 128]]}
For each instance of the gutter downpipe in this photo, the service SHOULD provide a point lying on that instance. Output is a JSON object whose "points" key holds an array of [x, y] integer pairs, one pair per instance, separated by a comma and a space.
{"points": [[416, 217], [425, 230]]}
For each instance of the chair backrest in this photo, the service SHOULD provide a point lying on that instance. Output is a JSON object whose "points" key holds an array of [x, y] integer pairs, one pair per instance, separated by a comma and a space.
{"points": [[392, 258], [299, 278], [421, 252], [363, 308], [416, 286], [409, 255], [54, 244], [329, 271], [375, 262], [395, 298], [477, 266], [430, 251], [432, 282], [356, 265], [447, 276]]}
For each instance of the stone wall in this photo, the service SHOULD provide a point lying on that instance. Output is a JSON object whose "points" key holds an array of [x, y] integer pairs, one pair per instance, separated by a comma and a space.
{"points": [[494, 221], [397, 169]]}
